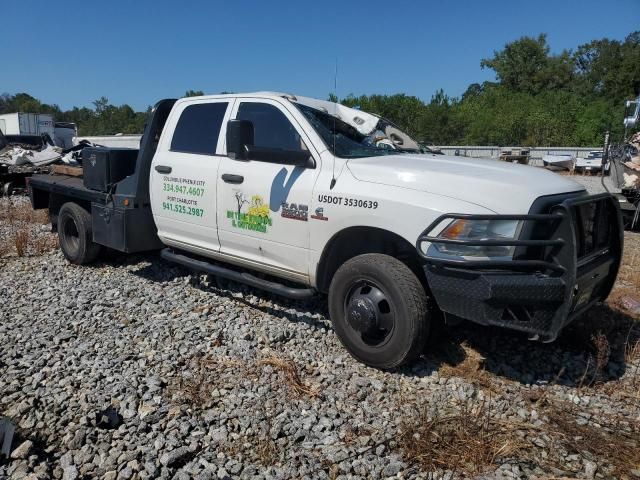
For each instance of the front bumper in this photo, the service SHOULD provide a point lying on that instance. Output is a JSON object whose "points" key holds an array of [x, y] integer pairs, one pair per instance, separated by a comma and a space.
{"points": [[566, 259]]}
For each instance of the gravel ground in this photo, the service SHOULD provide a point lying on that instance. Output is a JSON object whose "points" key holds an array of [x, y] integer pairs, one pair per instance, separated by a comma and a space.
{"points": [[135, 368], [593, 183]]}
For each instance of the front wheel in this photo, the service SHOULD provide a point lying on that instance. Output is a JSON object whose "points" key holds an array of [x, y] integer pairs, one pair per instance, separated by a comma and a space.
{"points": [[379, 310]]}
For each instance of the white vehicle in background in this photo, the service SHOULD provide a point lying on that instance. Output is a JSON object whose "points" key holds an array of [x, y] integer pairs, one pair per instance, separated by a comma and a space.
{"points": [[591, 163], [566, 162], [300, 192]]}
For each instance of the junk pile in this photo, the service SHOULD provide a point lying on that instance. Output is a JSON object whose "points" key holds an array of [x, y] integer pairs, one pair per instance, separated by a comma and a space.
{"points": [[37, 151], [17, 156], [24, 155], [631, 175]]}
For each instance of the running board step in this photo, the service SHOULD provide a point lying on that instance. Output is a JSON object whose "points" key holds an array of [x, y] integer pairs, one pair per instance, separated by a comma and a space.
{"points": [[242, 277]]}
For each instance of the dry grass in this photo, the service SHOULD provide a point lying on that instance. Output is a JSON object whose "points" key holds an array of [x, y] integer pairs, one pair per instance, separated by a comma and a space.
{"points": [[258, 443], [632, 352], [20, 222], [204, 373], [266, 448], [609, 442], [471, 367], [21, 241], [475, 440], [293, 381], [353, 432], [18, 211], [596, 362], [202, 376], [42, 245], [4, 248], [628, 282], [471, 441]]}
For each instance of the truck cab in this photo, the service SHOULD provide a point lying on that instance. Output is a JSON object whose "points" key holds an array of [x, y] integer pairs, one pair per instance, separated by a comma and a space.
{"points": [[301, 197], [252, 209]]}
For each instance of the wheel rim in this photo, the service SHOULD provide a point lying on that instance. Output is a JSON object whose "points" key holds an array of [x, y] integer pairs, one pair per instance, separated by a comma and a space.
{"points": [[71, 235], [370, 316]]}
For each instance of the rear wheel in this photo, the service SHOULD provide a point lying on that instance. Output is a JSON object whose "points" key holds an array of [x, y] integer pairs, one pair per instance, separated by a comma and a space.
{"points": [[75, 234], [379, 310]]}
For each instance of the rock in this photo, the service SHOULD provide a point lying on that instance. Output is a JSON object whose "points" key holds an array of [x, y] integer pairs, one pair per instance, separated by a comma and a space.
{"points": [[66, 460], [589, 469], [70, 473], [126, 473], [171, 458], [78, 439], [22, 450], [392, 469], [127, 368], [219, 435]]}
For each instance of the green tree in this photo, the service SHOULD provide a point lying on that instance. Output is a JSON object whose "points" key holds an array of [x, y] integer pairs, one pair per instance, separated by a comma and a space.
{"points": [[525, 65], [608, 68]]}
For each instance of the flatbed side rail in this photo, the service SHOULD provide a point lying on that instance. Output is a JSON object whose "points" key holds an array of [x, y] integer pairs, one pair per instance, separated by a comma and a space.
{"points": [[65, 186]]}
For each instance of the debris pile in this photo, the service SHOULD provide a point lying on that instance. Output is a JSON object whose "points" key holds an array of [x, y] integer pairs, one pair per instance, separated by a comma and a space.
{"points": [[631, 176], [17, 156], [37, 151], [635, 142]]}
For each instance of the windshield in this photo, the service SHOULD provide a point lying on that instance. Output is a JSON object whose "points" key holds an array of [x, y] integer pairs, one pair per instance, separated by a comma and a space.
{"points": [[342, 139]]}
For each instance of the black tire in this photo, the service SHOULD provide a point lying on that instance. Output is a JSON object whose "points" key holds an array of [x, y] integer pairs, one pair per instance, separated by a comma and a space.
{"points": [[75, 234], [380, 286]]}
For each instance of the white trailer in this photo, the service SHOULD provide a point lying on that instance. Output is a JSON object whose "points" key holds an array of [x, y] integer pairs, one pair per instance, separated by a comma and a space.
{"points": [[21, 123], [113, 141]]}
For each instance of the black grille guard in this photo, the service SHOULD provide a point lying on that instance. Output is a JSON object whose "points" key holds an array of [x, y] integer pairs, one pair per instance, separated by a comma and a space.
{"points": [[553, 284]]}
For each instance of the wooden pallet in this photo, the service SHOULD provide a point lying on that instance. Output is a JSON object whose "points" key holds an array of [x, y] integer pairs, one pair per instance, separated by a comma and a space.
{"points": [[67, 170]]}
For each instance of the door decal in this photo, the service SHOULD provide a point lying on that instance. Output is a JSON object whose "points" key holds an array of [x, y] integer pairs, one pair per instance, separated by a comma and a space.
{"points": [[256, 217], [295, 211], [182, 195]]}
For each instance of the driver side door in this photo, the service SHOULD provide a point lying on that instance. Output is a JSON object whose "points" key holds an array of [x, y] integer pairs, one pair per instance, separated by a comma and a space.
{"points": [[264, 206]]}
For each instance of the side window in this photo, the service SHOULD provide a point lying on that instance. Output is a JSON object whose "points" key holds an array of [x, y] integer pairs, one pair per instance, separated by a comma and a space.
{"points": [[271, 128], [198, 128]]}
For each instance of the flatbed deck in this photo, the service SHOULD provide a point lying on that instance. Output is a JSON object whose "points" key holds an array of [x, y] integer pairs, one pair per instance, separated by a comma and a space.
{"points": [[67, 185]]}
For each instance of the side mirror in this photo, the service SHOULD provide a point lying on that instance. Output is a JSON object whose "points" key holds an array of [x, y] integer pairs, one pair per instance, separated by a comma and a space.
{"points": [[239, 136]]}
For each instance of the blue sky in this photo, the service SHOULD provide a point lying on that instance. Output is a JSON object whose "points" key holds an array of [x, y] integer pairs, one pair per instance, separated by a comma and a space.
{"points": [[136, 52]]}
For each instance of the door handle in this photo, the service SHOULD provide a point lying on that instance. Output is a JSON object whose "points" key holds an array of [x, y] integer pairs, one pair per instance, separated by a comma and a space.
{"points": [[229, 178], [163, 169]]}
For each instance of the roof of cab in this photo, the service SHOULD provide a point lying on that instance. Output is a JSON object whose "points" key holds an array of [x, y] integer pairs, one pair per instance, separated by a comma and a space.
{"points": [[262, 94]]}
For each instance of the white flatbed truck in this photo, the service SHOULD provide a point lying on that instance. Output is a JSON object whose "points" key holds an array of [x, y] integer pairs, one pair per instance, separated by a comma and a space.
{"points": [[268, 183]]}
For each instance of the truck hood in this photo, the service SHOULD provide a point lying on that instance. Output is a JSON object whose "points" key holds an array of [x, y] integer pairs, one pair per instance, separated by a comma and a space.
{"points": [[499, 186]]}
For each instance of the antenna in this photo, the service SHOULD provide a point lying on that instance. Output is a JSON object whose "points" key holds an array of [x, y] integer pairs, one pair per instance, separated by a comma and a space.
{"points": [[335, 112]]}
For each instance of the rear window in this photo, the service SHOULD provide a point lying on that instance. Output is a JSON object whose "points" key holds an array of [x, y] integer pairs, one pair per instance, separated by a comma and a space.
{"points": [[198, 128]]}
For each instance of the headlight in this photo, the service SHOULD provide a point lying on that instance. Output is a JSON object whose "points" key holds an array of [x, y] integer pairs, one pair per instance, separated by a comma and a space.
{"points": [[477, 230]]}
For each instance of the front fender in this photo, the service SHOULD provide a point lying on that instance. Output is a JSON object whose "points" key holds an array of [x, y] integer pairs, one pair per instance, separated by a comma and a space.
{"points": [[352, 203]]}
